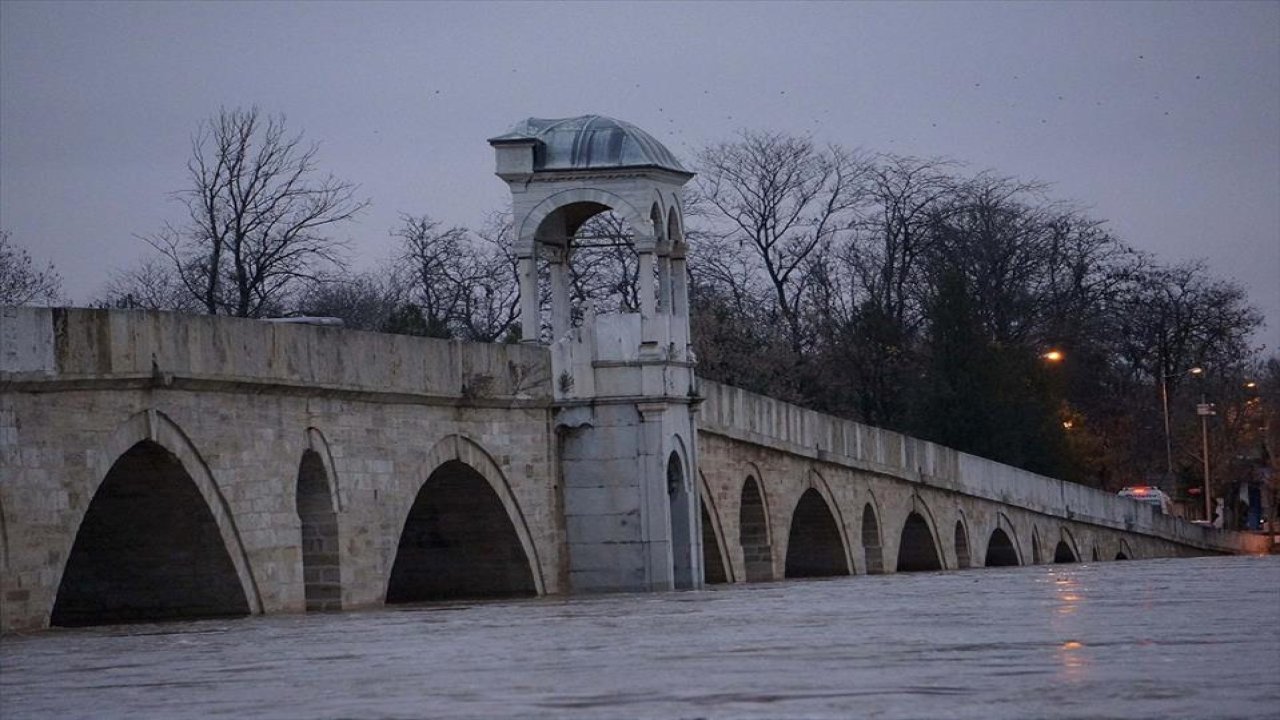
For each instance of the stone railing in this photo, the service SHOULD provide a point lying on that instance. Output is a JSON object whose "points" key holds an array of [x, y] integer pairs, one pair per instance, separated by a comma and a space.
{"points": [[760, 420], [72, 346]]}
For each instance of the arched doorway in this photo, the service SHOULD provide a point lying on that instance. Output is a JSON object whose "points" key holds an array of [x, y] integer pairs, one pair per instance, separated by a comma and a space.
{"points": [[712, 562], [321, 571], [814, 545], [753, 533], [962, 546], [871, 541], [458, 542], [1000, 550], [1062, 553], [681, 540], [147, 549], [917, 552]]}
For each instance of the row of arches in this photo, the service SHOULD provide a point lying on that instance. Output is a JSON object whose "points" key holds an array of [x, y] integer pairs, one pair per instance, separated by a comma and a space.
{"points": [[152, 546], [816, 545]]}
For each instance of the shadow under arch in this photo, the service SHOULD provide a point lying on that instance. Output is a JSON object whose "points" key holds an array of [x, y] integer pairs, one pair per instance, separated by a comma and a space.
{"points": [[918, 548], [1002, 545], [319, 535], [463, 511], [1124, 553], [153, 487], [963, 559], [576, 206], [715, 556], [1065, 551], [816, 543], [872, 541], [754, 533], [680, 516]]}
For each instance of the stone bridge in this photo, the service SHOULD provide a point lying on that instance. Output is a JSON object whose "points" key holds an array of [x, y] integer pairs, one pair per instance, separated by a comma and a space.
{"points": [[155, 465]]}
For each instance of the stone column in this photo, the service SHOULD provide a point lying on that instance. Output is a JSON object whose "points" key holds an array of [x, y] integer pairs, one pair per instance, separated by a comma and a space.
{"points": [[664, 283], [560, 311], [647, 294], [680, 294], [529, 320]]}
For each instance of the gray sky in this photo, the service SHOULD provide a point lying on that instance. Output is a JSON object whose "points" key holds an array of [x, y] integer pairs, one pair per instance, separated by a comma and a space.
{"points": [[1163, 118]]}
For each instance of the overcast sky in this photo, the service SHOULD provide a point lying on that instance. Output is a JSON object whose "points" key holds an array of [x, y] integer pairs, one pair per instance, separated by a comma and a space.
{"points": [[1163, 118]]}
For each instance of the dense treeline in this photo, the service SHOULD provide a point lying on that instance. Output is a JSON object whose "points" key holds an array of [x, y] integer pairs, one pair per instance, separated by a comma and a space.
{"points": [[903, 292]]}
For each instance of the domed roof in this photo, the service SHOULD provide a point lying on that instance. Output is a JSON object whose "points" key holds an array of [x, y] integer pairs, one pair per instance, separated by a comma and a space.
{"points": [[589, 142]]}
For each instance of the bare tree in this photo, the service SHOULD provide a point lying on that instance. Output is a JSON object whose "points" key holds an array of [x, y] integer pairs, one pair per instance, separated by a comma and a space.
{"points": [[457, 283], [152, 284], [259, 218], [21, 282], [785, 200]]}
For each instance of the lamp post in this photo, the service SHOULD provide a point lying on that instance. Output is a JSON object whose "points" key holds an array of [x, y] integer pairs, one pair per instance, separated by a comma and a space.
{"points": [[1168, 436], [1204, 410]]}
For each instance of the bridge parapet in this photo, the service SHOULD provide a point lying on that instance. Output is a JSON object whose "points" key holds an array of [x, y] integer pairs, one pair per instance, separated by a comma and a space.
{"points": [[741, 415], [78, 346]]}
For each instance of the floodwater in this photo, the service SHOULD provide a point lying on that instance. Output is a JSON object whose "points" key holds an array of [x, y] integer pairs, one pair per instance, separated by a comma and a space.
{"points": [[1195, 638]]}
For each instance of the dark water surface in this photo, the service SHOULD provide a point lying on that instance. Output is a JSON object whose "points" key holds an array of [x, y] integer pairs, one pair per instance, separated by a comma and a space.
{"points": [[1193, 638]]}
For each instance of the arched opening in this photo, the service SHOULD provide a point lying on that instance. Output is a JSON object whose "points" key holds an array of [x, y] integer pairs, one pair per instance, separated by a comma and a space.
{"points": [[681, 537], [814, 546], [458, 542], [871, 541], [962, 546], [753, 534], [917, 551], [1121, 556], [1035, 548], [1062, 553], [712, 561], [147, 549], [321, 573], [1096, 557], [1000, 550]]}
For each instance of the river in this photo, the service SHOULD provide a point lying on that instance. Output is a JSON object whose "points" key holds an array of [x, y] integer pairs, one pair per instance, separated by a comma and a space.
{"points": [[1196, 638]]}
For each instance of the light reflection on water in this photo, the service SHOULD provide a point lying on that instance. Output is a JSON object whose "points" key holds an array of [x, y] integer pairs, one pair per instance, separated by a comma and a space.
{"points": [[1152, 639]]}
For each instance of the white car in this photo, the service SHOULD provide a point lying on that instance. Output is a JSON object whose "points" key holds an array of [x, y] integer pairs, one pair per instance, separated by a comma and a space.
{"points": [[1147, 494]]}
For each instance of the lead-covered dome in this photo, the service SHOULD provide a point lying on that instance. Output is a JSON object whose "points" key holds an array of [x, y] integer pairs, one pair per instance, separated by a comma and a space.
{"points": [[589, 142]]}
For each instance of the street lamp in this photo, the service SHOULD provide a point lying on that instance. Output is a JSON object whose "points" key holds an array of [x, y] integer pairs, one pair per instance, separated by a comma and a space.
{"points": [[1204, 410], [1168, 437], [1053, 356]]}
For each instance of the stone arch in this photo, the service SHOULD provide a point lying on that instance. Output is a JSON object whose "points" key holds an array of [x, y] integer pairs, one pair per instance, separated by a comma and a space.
{"points": [[147, 548], [962, 543], [1124, 553], [918, 548], [816, 543], [317, 442], [675, 231], [681, 516], [715, 556], [318, 535], [466, 464], [754, 531], [872, 542], [155, 427], [1065, 551], [586, 199], [1002, 550]]}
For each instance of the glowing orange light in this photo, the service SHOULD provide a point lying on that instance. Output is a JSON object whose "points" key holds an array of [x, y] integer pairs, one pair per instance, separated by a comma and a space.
{"points": [[1072, 645], [1068, 424], [1140, 491], [1053, 356]]}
